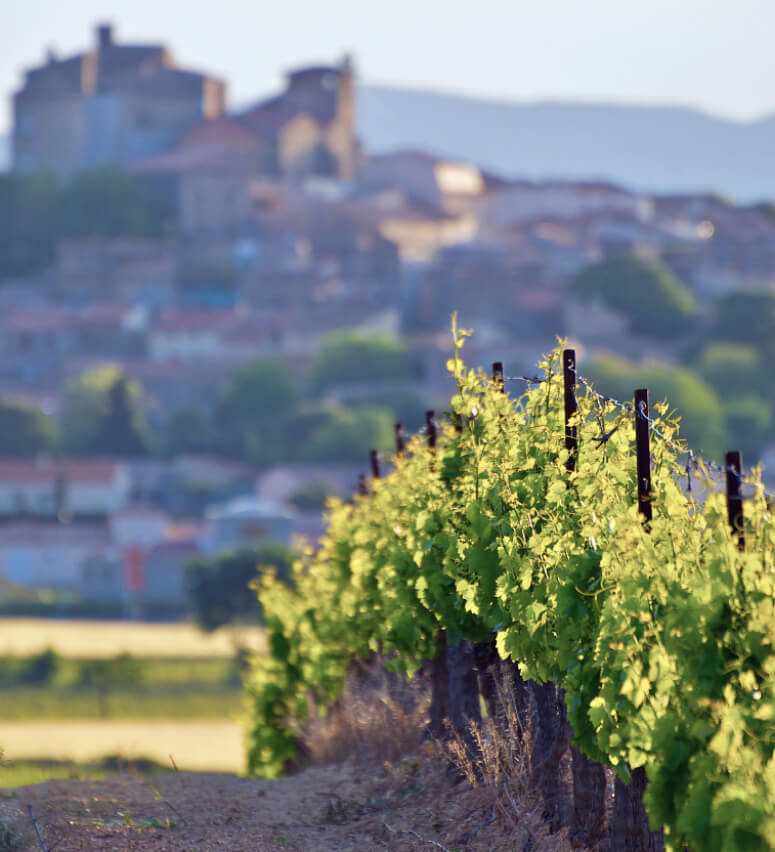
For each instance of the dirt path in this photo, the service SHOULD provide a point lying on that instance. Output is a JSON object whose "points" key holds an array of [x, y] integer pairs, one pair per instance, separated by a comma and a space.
{"points": [[324, 809]]}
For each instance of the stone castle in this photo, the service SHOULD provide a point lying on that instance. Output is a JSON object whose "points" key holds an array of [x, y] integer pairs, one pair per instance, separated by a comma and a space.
{"points": [[131, 106]]}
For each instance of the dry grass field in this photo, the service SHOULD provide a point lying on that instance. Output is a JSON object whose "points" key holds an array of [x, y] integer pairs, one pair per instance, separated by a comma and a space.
{"points": [[90, 639], [212, 745]]}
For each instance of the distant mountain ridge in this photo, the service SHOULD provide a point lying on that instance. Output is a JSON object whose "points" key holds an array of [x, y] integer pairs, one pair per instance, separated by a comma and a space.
{"points": [[659, 149], [650, 148]]}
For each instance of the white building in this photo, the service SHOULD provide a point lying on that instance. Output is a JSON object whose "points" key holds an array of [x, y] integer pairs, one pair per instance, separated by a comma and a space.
{"points": [[49, 554], [520, 203], [49, 488], [137, 526]]}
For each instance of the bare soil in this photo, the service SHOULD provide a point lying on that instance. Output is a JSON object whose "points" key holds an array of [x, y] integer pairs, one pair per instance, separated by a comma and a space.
{"points": [[408, 806]]}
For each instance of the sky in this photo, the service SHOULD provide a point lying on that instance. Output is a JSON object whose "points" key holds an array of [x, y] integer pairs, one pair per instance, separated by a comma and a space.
{"points": [[714, 55]]}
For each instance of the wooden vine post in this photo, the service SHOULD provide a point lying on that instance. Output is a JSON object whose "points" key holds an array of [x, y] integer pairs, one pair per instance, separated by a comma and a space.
{"points": [[642, 452], [734, 469], [363, 488], [374, 462], [571, 407], [439, 709], [431, 428], [497, 374], [400, 439], [629, 824], [589, 781]]}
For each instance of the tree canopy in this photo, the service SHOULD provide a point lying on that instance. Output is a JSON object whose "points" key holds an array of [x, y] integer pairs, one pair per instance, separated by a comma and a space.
{"points": [[655, 302], [109, 202], [348, 436], [746, 317], [219, 588], [28, 223], [253, 411], [732, 369], [35, 212], [102, 415], [749, 421], [350, 357], [25, 431]]}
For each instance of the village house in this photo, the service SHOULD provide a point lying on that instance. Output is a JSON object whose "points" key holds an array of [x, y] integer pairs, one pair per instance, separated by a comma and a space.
{"points": [[115, 103], [39, 554], [449, 185], [307, 131], [48, 488], [215, 336], [246, 521], [130, 270]]}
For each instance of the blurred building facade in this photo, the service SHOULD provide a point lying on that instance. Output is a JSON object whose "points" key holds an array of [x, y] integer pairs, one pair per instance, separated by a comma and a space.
{"points": [[112, 104]]}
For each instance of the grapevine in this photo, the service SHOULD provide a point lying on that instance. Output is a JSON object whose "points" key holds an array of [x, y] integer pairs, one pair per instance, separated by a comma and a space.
{"points": [[660, 635]]}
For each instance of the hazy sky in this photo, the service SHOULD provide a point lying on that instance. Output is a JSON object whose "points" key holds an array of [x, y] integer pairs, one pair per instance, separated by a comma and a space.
{"points": [[716, 55]]}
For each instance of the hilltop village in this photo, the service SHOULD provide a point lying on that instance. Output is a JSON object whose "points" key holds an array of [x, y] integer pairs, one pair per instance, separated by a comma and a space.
{"points": [[269, 236]]}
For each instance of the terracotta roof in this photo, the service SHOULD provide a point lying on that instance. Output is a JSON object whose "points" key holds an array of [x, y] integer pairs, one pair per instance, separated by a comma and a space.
{"points": [[205, 158], [183, 532], [54, 535], [111, 313], [138, 510], [312, 71], [12, 470], [39, 321], [266, 119], [221, 131], [184, 548], [182, 321], [538, 299]]}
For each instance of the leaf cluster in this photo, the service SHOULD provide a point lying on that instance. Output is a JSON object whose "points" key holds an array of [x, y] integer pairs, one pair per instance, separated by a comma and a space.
{"points": [[661, 636]]}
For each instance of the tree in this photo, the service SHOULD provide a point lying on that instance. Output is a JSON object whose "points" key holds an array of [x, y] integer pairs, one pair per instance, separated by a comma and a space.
{"points": [[747, 318], [351, 358], [105, 202], [28, 223], [186, 431], [105, 675], [42, 668], [405, 406], [109, 202], [253, 411], [25, 431], [749, 420], [734, 369], [702, 418], [311, 497], [118, 432], [349, 435], [219, 588], [654, 301], [92, 405]]}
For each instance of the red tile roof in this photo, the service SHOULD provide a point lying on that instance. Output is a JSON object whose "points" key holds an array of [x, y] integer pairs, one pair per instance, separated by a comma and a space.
{"points": [[218, 131], [182, 320], [39, 321], [205, 159], [12, 470], [54, 535]]}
